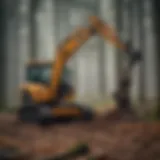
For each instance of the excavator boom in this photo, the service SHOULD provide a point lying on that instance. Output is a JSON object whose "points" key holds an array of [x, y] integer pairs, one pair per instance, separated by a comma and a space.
{"points": [[73, 42], [107, 33], [65, 51]]}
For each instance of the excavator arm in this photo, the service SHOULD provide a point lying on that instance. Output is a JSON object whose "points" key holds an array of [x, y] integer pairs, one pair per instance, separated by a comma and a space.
{"points": [[107, 33], [73, 42]]}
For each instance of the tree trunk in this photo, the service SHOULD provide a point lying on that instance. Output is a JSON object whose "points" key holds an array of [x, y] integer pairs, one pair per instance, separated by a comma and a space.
{"points": [[157, 29], [3, 24]]}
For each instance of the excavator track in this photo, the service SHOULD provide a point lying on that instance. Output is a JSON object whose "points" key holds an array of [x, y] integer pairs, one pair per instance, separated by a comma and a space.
{"points": [[28, 114], [65, 112]]}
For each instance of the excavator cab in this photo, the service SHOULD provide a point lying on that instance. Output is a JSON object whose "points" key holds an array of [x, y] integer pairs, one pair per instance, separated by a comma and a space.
{"points": [[41, 73], [38, 78], [38, 73]]}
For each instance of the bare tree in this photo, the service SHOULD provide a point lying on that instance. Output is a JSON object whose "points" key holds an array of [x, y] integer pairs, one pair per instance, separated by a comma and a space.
{"points": [[3, 30], [157, 29]]}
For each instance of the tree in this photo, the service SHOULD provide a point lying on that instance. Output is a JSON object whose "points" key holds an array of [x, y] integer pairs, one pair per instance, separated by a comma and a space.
{"points": [[3, 30], [157, 29]]}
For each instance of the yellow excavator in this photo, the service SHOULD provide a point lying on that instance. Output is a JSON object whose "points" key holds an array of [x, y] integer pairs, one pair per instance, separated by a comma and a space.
{"points": [[46, 95]]}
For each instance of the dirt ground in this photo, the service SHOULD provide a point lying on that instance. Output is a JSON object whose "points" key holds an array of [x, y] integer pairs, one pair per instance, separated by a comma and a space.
{"points": [[120, 140]]}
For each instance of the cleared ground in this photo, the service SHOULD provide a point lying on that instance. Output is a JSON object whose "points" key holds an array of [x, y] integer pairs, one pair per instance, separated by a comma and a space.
{"points": [[120, 140]]}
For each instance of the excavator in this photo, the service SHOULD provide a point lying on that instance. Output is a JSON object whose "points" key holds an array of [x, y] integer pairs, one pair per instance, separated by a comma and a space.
{"points": [[47, 94]]}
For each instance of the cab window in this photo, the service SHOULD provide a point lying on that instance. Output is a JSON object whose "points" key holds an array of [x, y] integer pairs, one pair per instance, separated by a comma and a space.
{"points": [[42, 74]]}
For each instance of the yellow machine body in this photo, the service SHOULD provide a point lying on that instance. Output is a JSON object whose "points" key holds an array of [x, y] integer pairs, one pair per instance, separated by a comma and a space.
{"points": [[54, 91], [37, 84]]}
